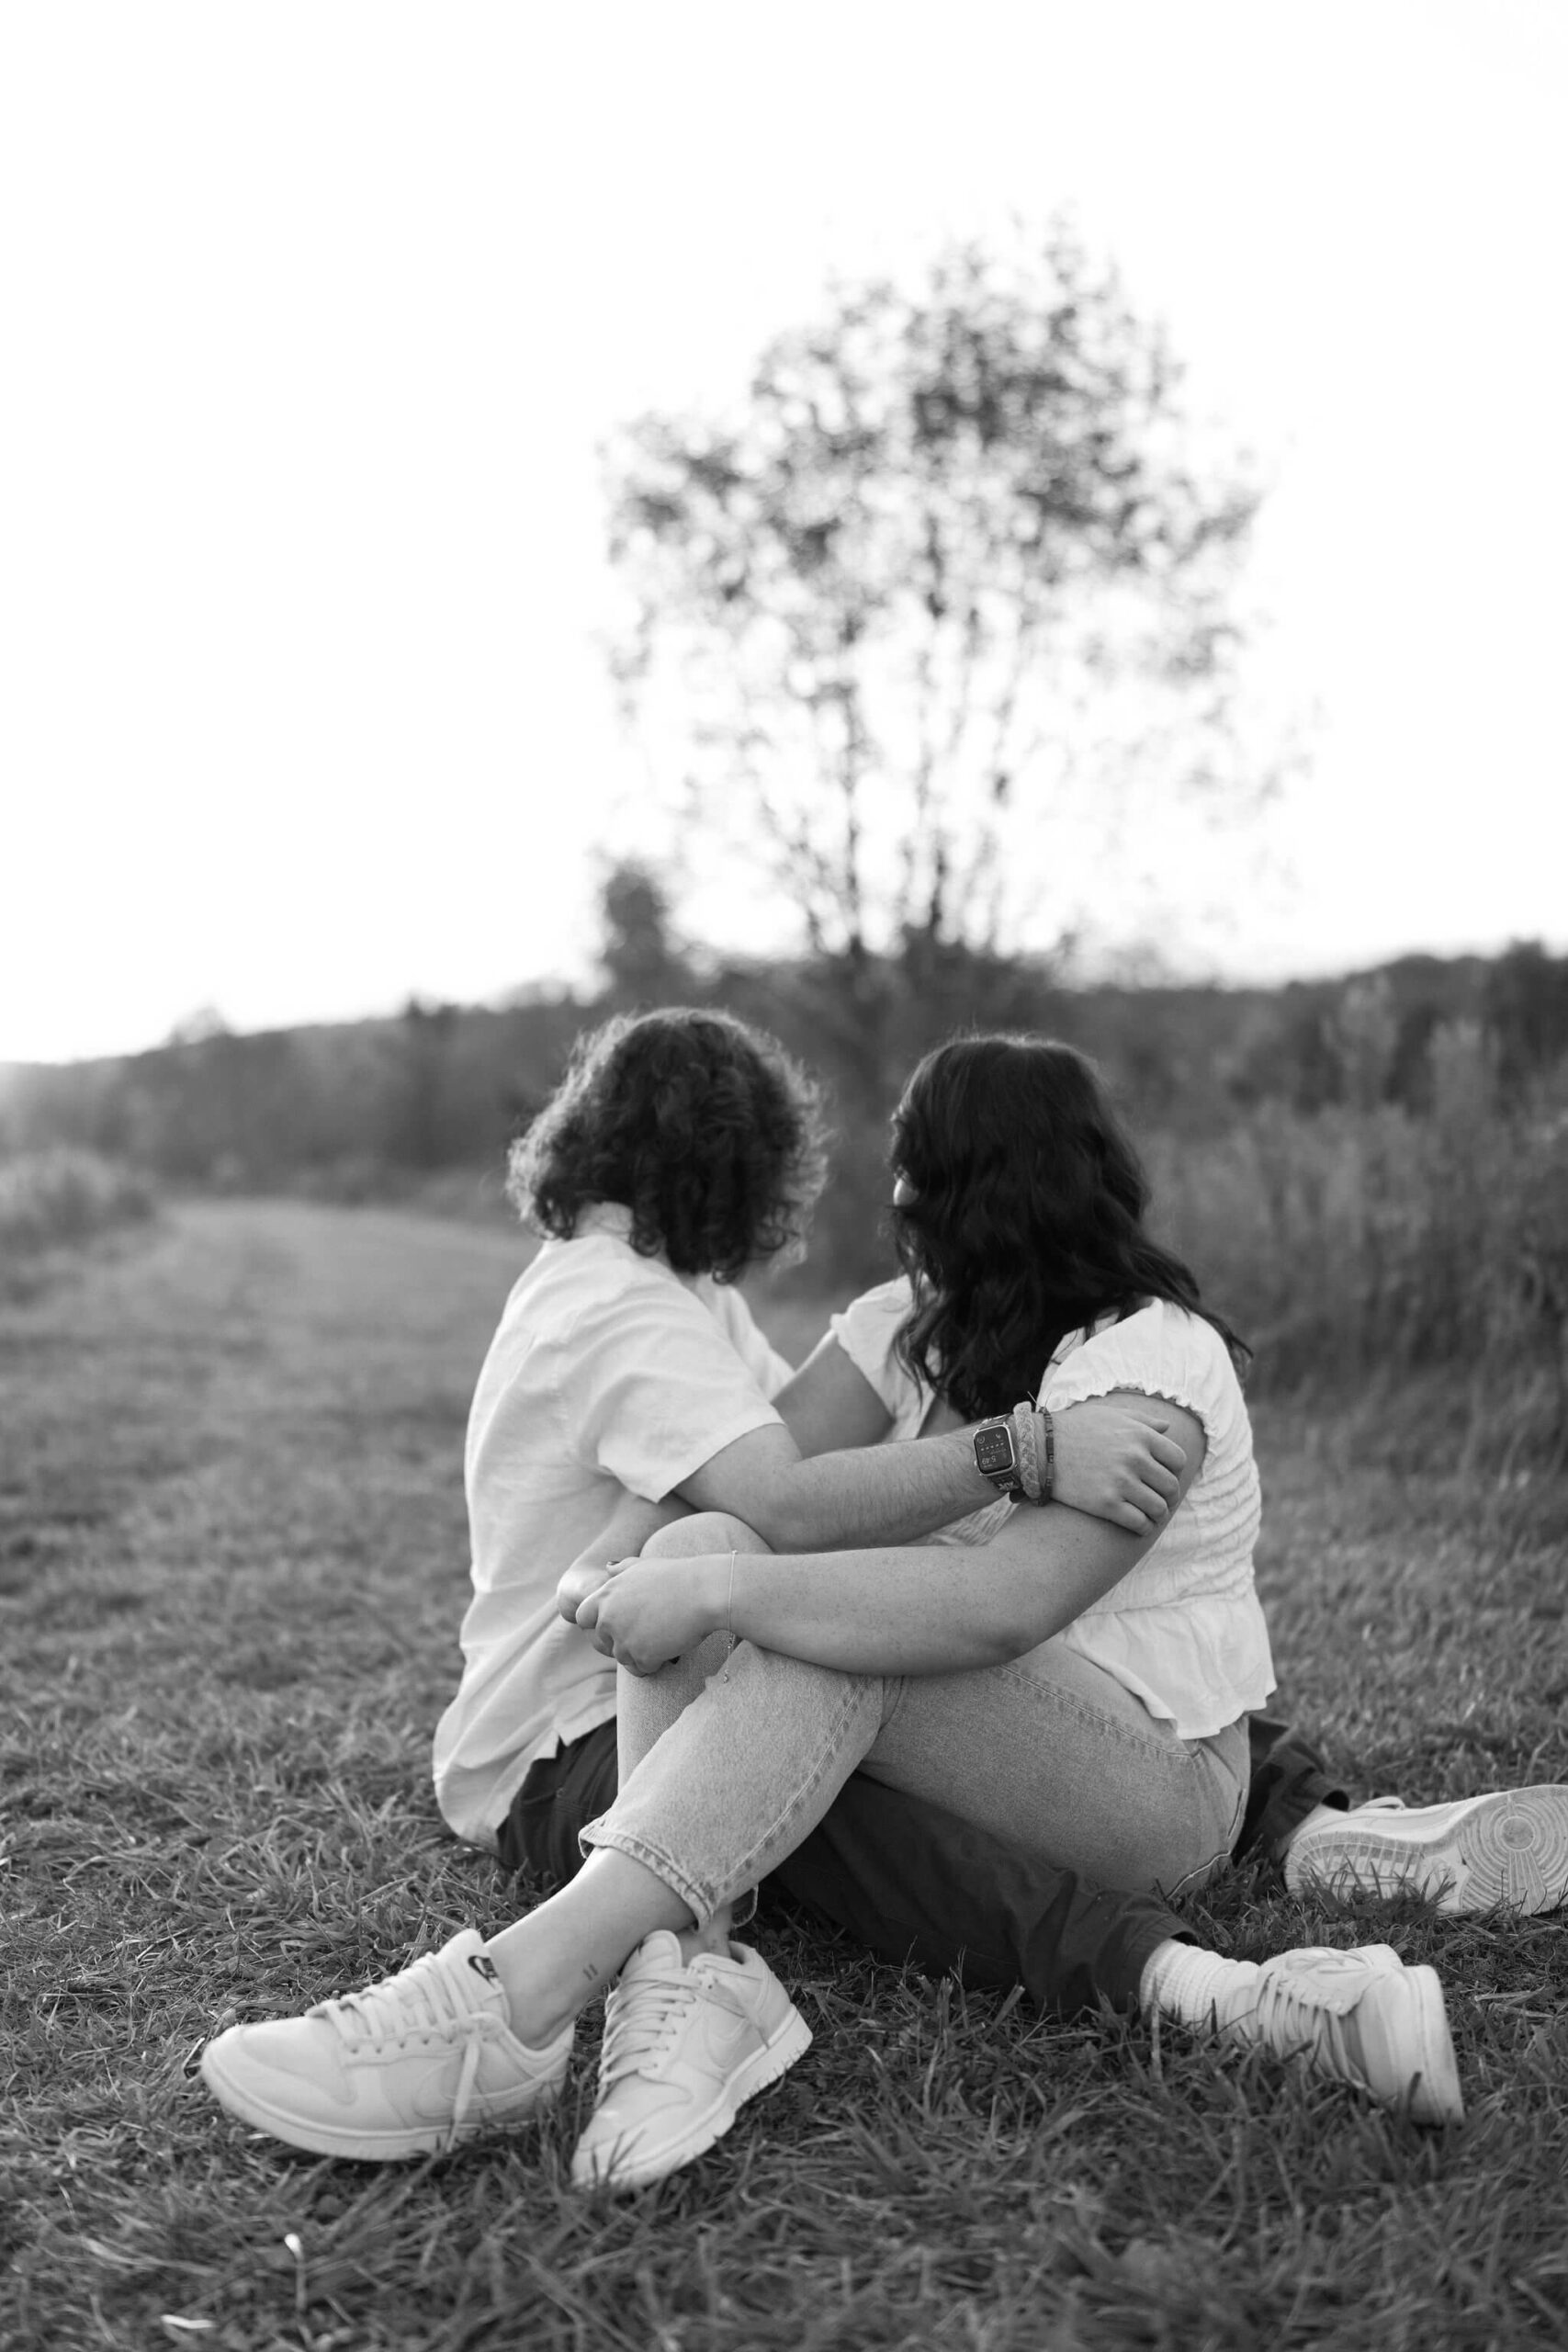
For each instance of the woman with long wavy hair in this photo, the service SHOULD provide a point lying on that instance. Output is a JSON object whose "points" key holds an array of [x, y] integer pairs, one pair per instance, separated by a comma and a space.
{"points": [[1079, 1690]]}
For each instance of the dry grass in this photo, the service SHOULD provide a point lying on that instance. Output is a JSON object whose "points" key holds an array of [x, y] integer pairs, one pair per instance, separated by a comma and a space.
{"points": [[232, 1564], [55, 1200], [1362, 1242]]}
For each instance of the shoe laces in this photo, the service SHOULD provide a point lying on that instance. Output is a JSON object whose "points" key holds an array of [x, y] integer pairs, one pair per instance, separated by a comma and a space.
{"points": [[1291, 2017], [642, 2021], [418, 2002]]}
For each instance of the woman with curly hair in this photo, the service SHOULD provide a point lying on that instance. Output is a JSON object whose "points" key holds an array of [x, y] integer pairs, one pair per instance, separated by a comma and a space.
{"points": [[680, 1147], [700, 1127], [1076, 1685]]}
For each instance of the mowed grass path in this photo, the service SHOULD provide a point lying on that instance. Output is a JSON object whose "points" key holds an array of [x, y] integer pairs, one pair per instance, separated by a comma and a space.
{"points": [[232, 1567]]}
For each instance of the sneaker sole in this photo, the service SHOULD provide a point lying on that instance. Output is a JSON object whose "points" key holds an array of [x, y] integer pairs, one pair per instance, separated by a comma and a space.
{"points": [[776, 2056], [390, 2147], [1508, 1853]]}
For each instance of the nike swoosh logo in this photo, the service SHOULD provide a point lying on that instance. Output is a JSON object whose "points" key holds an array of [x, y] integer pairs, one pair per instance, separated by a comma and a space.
{"points": [[730, 2031], [431, 2097]]}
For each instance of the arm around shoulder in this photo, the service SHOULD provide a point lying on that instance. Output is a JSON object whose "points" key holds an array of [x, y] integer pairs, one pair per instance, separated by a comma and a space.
{"points": [[945, 1610], [869, 1494]]}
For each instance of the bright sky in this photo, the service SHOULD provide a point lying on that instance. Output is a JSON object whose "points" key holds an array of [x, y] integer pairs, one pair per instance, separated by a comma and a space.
{"points": [[315, 314]]}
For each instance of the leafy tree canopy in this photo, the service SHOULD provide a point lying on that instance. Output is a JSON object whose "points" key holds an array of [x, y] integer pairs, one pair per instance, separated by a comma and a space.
{"points": [[953, 569]]}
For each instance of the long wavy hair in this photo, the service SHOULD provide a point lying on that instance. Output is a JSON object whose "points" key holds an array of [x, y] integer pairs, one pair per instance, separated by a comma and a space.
{"points": [[1025, 1220], [702, 1127]]}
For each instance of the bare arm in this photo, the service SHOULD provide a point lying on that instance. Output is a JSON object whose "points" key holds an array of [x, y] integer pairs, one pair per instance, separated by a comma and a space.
{"points": [[878, 1494], [900, 1611], [1116, 1458], [830, 1404]]}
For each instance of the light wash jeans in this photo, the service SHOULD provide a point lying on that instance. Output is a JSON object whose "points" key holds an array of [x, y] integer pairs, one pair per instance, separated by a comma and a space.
{"points": [[726, 1762]]}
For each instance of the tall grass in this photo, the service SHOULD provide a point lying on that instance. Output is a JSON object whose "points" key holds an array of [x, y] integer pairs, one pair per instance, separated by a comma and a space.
{"points": [[1417, 1257], [1359, 1241], [52, 1199]]}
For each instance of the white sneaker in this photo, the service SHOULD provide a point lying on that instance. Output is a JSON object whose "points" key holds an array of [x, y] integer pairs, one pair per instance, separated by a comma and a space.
{"points": [[685, 2045], [406, 2068], [1357, 2017], [1504, 1852]]}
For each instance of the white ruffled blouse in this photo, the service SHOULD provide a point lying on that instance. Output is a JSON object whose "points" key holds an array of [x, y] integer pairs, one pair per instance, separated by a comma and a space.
{"points": [[1184, 1630]]}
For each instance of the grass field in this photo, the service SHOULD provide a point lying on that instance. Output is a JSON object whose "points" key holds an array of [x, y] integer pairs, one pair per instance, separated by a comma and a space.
{"points": [[232, 1565]]}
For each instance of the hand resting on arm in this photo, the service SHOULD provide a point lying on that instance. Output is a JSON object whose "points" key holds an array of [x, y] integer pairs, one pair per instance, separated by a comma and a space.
{"points": [[900, 1610]]}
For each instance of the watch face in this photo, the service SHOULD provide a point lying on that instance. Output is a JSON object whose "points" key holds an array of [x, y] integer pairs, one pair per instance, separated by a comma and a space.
{"points": [[993, 1450]]}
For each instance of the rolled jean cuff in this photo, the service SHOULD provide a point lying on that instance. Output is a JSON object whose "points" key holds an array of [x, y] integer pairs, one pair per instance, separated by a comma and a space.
{"points": [[702, 1902]]}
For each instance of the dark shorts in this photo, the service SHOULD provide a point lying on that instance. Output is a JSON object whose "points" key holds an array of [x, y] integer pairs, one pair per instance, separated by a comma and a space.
{"points": [[560, 1793]]}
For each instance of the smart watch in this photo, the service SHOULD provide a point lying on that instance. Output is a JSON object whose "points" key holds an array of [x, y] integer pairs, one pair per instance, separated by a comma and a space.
{"points": [[996, 1456]]}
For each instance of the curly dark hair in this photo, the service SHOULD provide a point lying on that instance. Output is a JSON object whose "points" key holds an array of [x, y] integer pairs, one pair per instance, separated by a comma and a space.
{"points": [[1025, 1221], [702, 1127]]}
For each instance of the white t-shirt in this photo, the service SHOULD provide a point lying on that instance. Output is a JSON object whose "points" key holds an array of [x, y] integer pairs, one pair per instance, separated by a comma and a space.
{"points": [[1183, 1630], [609, 1372], [866, 1329]]}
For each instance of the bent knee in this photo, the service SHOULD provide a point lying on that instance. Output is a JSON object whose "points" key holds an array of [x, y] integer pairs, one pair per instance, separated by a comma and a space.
{"points": [[705, 1530]]}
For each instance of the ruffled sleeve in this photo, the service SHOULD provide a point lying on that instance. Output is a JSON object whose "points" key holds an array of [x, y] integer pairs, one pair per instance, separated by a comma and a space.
{"points": [[1159, 1352]]}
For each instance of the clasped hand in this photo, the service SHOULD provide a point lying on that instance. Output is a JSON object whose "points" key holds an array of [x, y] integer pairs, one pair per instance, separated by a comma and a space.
{"points": [[647, 1613]]}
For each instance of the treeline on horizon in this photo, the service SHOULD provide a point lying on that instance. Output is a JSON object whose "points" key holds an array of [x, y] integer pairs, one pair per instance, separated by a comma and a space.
{"points": [[355, 1110], [1370, 1175]]}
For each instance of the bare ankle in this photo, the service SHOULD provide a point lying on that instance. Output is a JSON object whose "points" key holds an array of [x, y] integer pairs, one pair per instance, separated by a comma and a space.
{"points": [[712, 1936], [535, 2016]]}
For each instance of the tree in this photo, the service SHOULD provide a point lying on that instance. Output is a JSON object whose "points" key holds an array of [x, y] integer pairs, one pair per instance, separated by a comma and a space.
{"points": [[954, 567], [1525, 1003], [641, 962], [414, 1133]]}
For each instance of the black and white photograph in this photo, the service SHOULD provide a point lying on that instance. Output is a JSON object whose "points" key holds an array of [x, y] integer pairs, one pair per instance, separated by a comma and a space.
{"points": [[784, 1176]]}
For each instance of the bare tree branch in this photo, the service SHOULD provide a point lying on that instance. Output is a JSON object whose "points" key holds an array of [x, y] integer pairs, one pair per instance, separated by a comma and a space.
{"points": [[956, 539]]}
